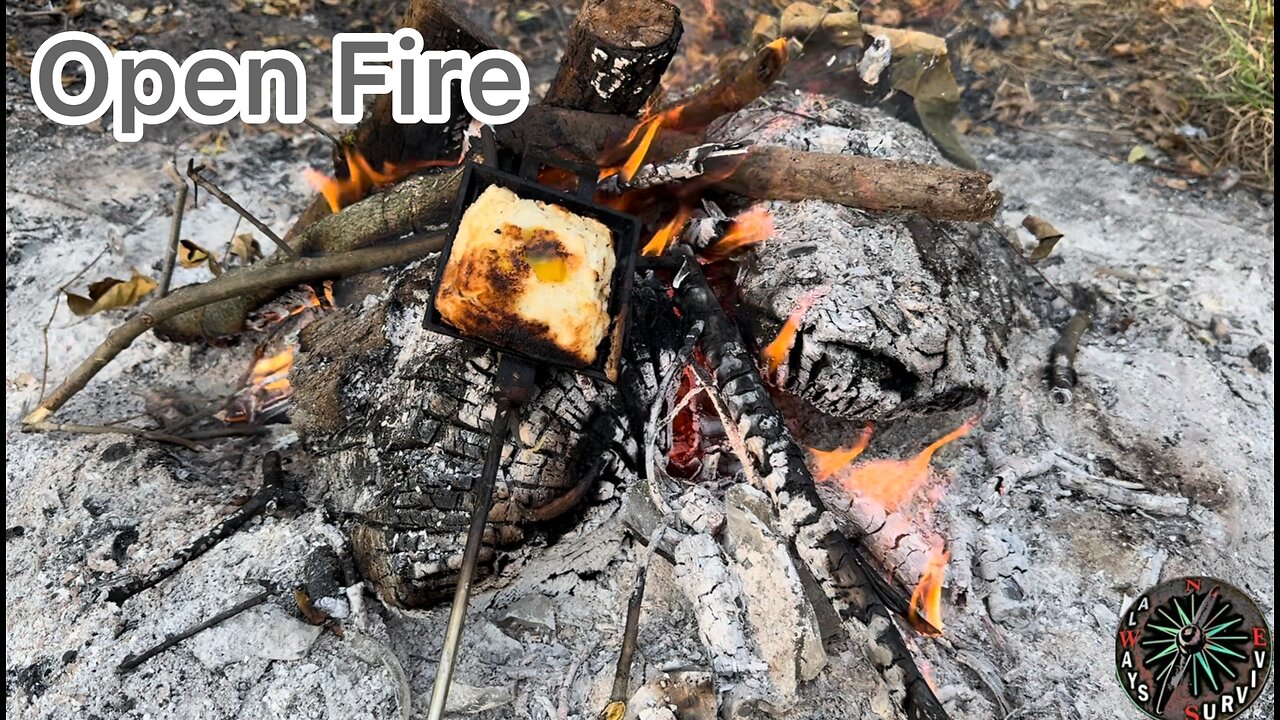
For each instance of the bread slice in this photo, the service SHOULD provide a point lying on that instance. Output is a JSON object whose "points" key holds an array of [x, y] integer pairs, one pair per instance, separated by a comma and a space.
{"points": [[530, 276]]}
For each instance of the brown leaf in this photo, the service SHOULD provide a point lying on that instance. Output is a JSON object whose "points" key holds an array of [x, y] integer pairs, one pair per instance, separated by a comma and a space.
{"points": [[111, 293], [246, 248], [1047, 236], [933, 90]]}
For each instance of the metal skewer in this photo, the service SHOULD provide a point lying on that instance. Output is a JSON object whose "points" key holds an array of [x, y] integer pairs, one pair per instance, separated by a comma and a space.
{"points": [[515, 379]]}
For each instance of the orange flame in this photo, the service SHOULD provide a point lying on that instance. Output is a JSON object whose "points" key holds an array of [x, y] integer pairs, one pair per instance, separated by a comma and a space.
{"points": [[829, 462], [890, 482], [775, 352], [662, 239], [750, 228], [627, 170], [271, 374], [925, 610], [362, 179]]}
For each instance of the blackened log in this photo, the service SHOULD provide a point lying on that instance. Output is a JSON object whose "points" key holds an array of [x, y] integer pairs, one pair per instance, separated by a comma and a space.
{"points": [[848, 574], [617, 53], [379, 137]]}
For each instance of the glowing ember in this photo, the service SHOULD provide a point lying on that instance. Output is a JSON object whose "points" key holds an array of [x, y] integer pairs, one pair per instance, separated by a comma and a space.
{"points": [[661, 240], [775, 352], [925, 611], [748, 229], [889, 482], [362, 179], [826, 463]]}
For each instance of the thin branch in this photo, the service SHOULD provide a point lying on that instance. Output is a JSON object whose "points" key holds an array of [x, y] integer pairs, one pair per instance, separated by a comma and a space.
{"points": [[194, 172], [273, 492], [131, 662], [175, 230], [229, 285], [82, 429], [57, 300]]}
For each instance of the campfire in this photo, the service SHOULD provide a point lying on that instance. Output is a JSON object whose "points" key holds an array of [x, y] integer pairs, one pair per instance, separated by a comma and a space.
{"points": [[776, 289]]}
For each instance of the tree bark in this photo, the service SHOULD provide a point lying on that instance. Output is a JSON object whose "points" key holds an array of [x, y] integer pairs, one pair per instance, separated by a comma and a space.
{"points": [[379, 137], [775, 173], [617, 53]]}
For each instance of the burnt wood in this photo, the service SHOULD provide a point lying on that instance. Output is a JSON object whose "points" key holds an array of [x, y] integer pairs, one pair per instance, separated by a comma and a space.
{"points": [[617, 53]]}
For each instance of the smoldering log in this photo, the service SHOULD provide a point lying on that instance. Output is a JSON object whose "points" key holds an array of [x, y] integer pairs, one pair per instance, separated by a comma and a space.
{"points": [[774, 173], [842, 568], [616, 55]]}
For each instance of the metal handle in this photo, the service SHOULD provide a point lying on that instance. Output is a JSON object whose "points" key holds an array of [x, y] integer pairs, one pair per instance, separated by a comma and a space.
{"points": [[514, 381]]}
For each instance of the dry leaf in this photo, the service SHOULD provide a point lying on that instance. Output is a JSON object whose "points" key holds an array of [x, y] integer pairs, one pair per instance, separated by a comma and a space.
{"points": [[933, 90], [246, 248], [191, 255], [1173, 183], [111, 293], [1047, 236], [1138, 154]]}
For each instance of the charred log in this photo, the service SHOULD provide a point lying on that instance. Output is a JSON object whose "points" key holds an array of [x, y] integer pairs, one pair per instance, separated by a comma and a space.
{"points": [[617, 53]]}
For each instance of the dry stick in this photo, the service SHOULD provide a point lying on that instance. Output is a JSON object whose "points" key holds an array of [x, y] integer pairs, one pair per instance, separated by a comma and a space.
{"points": [[777, 173], [272, 492], [175, 229], [131, 662], [221, 288], [156, 435], [193, 172]]}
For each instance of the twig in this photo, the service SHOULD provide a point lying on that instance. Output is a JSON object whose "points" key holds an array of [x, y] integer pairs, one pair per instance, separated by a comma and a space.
{"points": [[57, 300], [223, 287], [175, 230], [273, 490], [83, 429], [131, 662], [1062, 358], [311, 124], [193, 172], [631, 632]]}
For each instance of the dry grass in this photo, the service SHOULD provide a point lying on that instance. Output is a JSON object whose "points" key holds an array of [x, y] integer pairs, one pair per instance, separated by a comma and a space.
{"points": [[1237, 93]]}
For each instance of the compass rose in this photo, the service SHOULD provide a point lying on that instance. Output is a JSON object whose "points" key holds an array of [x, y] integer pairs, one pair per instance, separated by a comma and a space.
{"points": [[1193, 648]]}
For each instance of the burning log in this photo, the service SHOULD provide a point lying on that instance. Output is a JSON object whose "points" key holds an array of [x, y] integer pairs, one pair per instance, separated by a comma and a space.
{"points": [[264, 280], [774, 173], [379, 138], [838, 564], [414, 206], [617, 53]]}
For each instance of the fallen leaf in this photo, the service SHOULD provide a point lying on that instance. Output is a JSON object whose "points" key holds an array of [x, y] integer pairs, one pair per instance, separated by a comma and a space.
{"points": [[933, 90], [1138, 154], [1047, 236], [111, 293], [1174, 183], [191, 255], [1000, 28], [246, 248]]}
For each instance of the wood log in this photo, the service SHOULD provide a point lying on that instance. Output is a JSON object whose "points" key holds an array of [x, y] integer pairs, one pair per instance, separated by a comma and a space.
{"points": [[842, 568], [413, 206], [379, 137], [617, 53], [775, 173]]}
